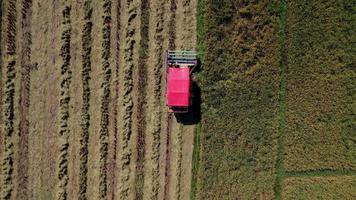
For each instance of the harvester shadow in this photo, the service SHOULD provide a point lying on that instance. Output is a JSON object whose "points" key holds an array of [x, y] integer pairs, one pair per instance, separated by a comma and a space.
{"points": [[194, 114]]}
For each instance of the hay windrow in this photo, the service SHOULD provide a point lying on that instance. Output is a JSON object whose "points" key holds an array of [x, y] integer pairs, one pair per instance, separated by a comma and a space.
{"points": [[8, 103], [85, 124], [105, 101], [64, 131]]}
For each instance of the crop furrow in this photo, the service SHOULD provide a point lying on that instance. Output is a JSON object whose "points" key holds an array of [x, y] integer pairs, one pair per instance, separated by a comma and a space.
{"points": [[24, 101], [86, 70], [141, 99], [64, 131], [10, 62], [105, 86]]}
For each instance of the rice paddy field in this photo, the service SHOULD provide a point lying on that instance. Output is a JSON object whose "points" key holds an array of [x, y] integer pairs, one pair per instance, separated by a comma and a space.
{"points": [[82, 100]]}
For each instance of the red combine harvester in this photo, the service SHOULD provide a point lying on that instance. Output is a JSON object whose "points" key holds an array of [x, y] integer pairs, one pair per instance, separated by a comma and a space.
{"points": [[179, 65]]}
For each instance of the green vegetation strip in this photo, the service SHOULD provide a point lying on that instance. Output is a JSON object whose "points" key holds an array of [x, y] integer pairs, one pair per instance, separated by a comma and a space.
{"points": [[340, 187], [195, 162], [282, 104], [201, 52], [321, 172]]}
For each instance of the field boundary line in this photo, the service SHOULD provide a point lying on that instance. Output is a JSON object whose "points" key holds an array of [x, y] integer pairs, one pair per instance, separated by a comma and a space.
{"points": [[280, 171]]}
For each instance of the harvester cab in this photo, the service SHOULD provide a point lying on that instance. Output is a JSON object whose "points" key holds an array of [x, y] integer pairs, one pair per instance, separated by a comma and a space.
{"points": [[179, 66]]}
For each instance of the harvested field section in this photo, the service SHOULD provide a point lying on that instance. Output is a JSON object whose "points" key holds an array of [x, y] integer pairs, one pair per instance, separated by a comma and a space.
{"points": [[320, 131], [7, 160], [340, 187], [83, 94], [241, 65]]}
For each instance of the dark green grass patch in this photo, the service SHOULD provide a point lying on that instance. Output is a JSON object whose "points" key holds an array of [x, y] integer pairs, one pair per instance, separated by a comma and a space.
{"points": [[321, 86], [339, 187], [240, 100]]}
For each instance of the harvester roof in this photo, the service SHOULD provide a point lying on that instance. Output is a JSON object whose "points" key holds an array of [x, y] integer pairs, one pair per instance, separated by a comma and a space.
{"points": [[178, 83]]}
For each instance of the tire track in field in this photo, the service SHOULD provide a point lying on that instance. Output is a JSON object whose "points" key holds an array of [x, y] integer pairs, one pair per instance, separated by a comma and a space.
{"points": [[105, 101], [141, 99], [24, 101], [171, 45], [10, 62], [129, 60], [152, 165], [85, 124], [64, 130]]}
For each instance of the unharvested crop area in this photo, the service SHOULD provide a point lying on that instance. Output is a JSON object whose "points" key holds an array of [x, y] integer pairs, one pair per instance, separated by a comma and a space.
{"points": [[278, 93], [83, 112]]}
